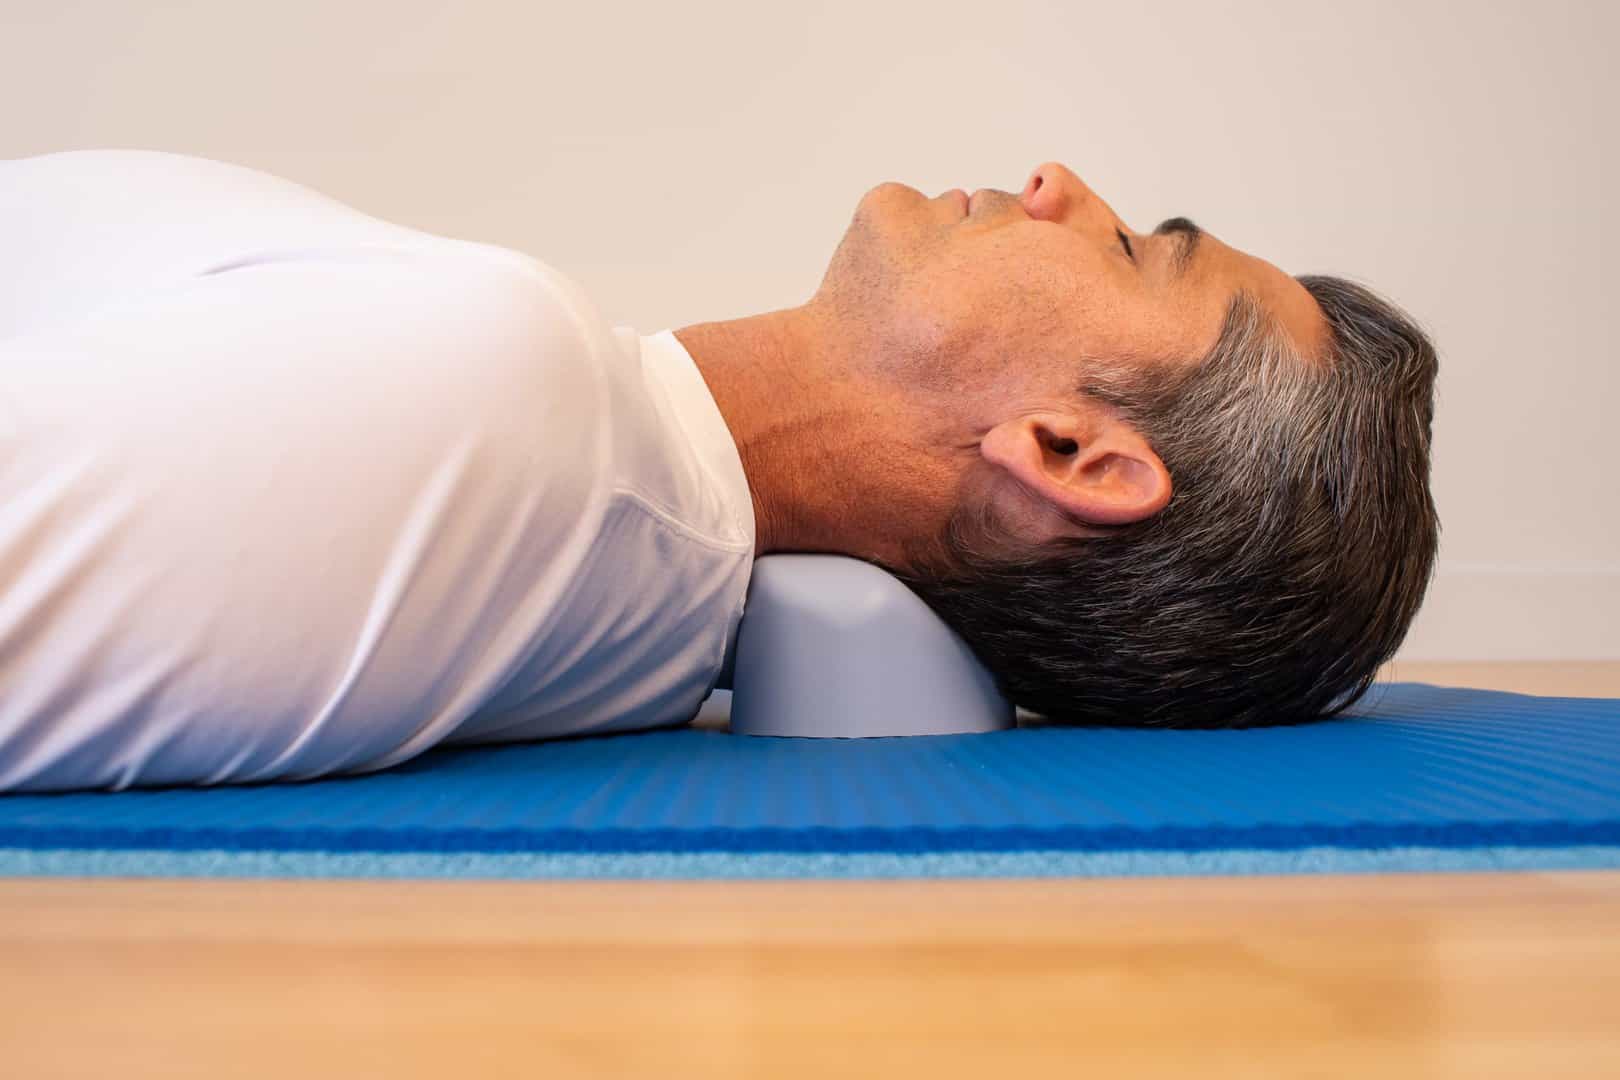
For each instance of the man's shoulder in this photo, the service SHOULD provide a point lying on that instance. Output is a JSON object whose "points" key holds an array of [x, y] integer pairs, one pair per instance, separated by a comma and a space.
{"points": [[536, 296]]}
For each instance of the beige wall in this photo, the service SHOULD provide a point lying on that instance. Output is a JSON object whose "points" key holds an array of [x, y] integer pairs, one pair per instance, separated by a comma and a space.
{"points": [[688, 161]]}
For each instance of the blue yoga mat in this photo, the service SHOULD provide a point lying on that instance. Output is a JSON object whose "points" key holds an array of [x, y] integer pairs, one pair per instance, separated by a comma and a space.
{"points": [[1419, 777]]}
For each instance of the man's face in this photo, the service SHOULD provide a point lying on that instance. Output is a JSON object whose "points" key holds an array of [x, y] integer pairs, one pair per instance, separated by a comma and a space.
{"points": [[957, 293]]}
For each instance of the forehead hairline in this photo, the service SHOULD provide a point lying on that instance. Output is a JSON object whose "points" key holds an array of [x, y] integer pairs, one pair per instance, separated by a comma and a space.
{"points": [[1272, 296]]}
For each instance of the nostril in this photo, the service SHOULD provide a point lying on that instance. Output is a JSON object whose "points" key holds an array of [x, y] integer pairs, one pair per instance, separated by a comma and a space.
{"points": [[1032, 188]]}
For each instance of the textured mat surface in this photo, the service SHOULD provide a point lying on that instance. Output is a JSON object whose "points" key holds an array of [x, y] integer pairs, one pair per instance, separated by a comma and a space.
{"points": [[1418, 778]]}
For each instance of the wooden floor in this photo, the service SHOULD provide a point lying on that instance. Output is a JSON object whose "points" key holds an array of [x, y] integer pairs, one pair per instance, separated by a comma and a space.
{"points": [[1458, 975]]}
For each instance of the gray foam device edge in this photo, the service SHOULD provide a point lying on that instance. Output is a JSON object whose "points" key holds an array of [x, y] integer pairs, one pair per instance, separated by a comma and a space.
{"points": [[831, 646]]}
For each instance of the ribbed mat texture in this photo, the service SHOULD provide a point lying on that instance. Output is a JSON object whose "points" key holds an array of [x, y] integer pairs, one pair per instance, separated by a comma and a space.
{"points": [[1415, 767]]}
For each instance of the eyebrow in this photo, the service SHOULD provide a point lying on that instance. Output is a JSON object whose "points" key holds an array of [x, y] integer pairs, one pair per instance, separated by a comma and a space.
{"points": [[1187, 235]]}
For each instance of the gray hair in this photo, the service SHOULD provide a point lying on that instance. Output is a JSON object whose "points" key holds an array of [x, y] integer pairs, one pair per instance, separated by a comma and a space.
{"points": [[1296, 547]]}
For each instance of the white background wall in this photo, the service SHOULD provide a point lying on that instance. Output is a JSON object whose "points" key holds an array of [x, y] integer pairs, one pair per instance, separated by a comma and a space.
{"points": [[690, 161]]}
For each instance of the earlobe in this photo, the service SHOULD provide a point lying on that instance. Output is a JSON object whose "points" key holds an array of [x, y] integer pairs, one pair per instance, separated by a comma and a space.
{"points": [[1095, 468]]}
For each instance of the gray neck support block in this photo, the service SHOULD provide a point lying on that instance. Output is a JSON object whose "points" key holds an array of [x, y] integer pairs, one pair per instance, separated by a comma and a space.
{"points": [[831, 646]]}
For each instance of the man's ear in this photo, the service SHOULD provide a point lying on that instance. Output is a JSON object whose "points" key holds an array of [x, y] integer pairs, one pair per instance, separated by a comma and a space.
{"points": [[1089, 464]]}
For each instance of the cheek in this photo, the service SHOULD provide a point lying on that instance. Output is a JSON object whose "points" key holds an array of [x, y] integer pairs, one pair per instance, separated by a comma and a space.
{"points": [[1037, 300], [921, 333], [1068, 302], [958, 303]]}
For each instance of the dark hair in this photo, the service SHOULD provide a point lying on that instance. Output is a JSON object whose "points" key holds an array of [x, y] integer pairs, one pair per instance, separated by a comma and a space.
{"points": [[1296, 547]]}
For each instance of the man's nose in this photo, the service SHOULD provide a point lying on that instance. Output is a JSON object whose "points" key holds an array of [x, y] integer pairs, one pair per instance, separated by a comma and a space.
{"points": [[1054, 193]]}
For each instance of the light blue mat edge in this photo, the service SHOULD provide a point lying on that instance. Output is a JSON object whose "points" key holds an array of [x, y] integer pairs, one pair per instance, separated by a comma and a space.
{"points": [[22, 862]]}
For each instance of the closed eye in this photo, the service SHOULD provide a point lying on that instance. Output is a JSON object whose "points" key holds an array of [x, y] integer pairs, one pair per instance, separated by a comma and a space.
{"points": [[1125, 242]]}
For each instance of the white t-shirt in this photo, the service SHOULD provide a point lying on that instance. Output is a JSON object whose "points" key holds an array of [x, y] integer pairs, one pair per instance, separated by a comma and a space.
{"points": [[287, 490]]}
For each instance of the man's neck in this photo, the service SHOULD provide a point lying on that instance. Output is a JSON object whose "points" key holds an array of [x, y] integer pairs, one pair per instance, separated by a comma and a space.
{"points": [[810, 438]]}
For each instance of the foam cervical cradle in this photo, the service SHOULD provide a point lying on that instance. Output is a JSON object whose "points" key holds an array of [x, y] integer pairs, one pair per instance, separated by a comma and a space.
{"points": [[830, 646]]}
